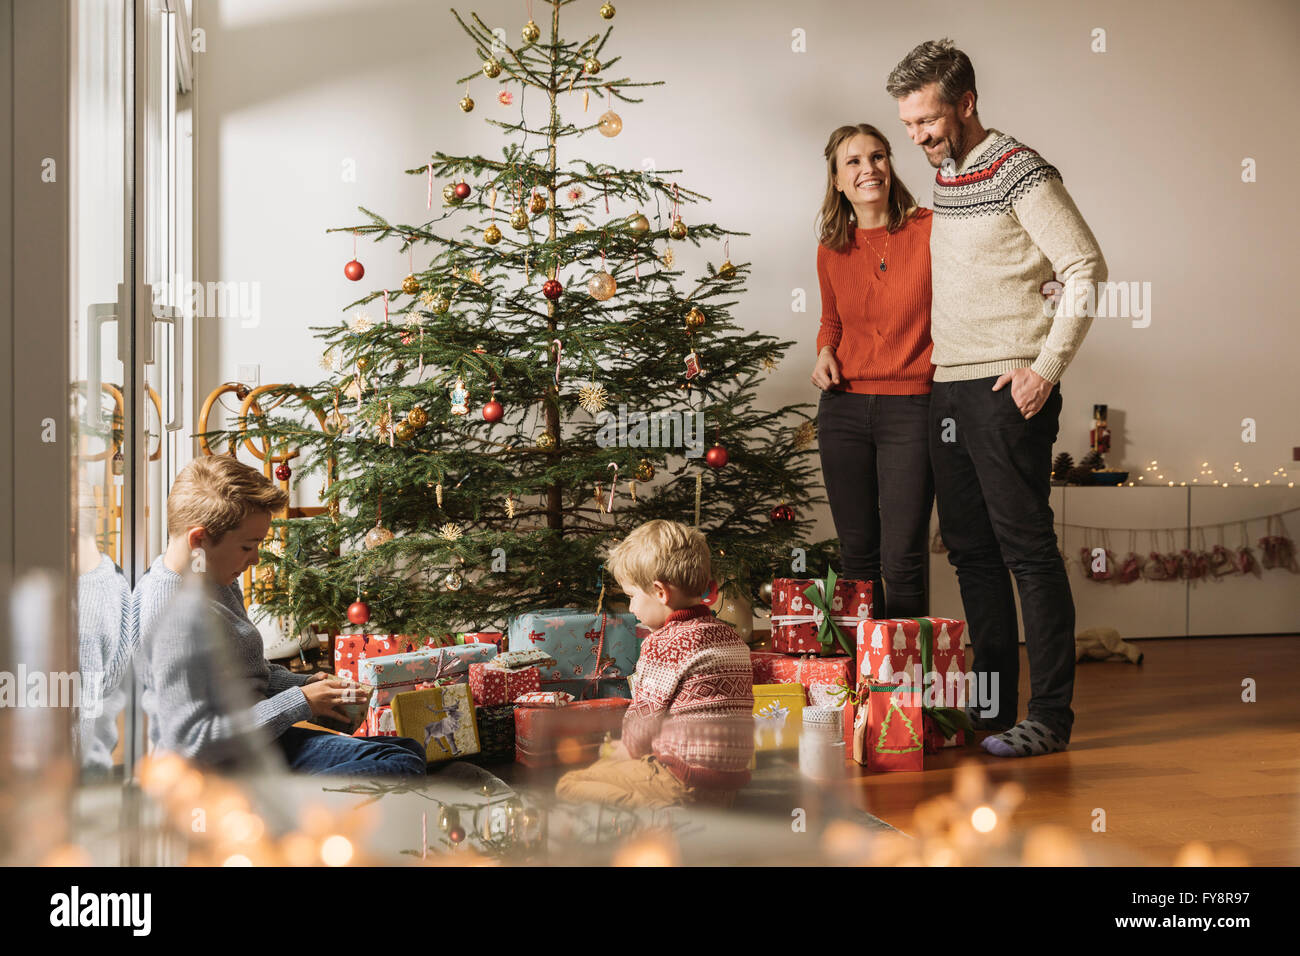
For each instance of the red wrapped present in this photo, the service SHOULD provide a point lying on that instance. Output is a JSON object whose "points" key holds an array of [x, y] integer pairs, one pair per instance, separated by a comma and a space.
{"points": [[812, 616], [494, 686], [926, 653], [891, 737], [811, 672], [569, 735], [351, 649], [483, 637]]}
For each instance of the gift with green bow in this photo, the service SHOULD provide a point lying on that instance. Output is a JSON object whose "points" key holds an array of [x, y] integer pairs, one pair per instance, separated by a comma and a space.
{"points": [[818, 615]]}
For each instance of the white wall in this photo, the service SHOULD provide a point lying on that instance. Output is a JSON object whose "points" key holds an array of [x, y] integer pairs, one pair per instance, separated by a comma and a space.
{"points": [[1149, 136]]}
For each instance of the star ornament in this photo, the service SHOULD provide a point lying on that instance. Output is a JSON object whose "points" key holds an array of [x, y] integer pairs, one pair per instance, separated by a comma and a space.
{"points": [[593, 397], [360, 323], [450, 531]]}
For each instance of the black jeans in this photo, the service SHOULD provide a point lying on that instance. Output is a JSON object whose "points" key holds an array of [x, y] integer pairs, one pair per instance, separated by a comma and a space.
{"points": [[992, 471], [876, 466]]}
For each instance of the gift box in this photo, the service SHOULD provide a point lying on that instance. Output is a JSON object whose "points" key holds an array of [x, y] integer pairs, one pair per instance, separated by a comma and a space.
{"points": [[496, 733], [498, 638], [351, 649], [492, 685], [587, 647], [891, 736], [778, 716], [419, 669], [378, 723], [810, 672], [570, 735], [804, 609], [441, 719]]}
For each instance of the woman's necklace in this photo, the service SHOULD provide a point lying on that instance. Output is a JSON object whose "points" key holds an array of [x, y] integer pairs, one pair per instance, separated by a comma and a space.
{"points": [[883, 267]]}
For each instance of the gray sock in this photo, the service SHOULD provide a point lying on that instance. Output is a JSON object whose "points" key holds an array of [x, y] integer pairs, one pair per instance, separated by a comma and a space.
{"points": [[1029, 738]]}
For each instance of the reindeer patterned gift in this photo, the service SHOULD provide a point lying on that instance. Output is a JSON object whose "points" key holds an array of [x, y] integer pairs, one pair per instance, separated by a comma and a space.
{"points": [[493, 685], [439, 718], [778, 716], [419, 669], [569, 735], [799, 624], [593, 652], [891, 651]]}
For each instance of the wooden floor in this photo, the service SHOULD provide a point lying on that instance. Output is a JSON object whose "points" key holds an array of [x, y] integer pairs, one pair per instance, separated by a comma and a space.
{"points": [[1167, 748]]}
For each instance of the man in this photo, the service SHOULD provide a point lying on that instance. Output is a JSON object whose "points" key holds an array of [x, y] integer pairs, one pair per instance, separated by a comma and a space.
{"points": [[1003, 226]]}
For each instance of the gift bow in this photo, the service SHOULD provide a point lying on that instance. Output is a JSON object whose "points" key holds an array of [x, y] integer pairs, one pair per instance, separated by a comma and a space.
{"points": [[827, 627], [949, 720]]}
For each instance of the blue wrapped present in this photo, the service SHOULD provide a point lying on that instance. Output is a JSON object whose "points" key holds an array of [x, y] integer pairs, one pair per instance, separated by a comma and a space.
{"points": [[419, 669], [574, 639]]}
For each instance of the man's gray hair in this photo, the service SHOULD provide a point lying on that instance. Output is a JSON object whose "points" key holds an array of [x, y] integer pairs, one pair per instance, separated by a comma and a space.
{"points": [[934, 61]]}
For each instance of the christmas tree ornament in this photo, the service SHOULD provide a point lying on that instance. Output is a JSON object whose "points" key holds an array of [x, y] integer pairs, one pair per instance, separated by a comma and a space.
{"points": [[769, 363], [449, 195], [580, 226], [593, 397], [602, 286], [354, 270], [716, 457], [462, 190], [531, 32], [360, 324], [607, 11], [505, 97], [119, 463], [782, 514], [335, 422], [418, 417], [805, 435], [283, 471], [437, 493], [552, 289], [363, 362], [694, 318], [439, 304], [677, 230], [411, 285], [668, 257], [519, 218], [545, 441], [450, 531], [492, 68], [378, 535], [610, 124], [493, 411], [404, 431], [727, 270], [453, 581], [639, 223], [591, 66], [492, 235], [457, 833], [692, 365], [358, 612], [466, 103], [537, 204], [765, 592], [459, 397], [645, 470], [510, 506]]}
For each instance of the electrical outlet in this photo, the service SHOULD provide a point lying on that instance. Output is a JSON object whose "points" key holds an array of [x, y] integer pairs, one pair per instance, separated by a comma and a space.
{"points": [[250, 374]]}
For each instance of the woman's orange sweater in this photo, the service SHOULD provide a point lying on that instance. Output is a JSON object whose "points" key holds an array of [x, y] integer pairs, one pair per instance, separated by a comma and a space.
{"points": [[879, 322]]}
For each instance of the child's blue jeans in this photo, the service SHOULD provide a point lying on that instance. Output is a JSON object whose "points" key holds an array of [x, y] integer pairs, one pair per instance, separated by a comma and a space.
{"points": [[315, 751]]}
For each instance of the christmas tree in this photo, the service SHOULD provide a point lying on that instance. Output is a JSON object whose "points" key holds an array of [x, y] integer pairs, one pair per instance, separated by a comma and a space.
{"points": [[543, 382]]}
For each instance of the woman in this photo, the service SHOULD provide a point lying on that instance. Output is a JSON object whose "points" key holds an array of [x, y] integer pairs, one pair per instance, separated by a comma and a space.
{"points": [[873, 367]]}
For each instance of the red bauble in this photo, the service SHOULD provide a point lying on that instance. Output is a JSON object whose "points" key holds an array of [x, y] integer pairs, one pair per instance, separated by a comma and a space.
{"points": [[782, 512], [354, 270], [492, 411], [716, 457], [456, 834], [551, 288], [358, 612], [462, 190], [283, 471]]}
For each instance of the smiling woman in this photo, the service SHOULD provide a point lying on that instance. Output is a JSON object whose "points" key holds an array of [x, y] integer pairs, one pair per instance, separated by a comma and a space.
{"points": [[873, 367]]}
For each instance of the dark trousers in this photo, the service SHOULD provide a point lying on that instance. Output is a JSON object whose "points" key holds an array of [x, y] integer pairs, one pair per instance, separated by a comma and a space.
{"points": [[876, 466], [313, 751], [992, 472]]}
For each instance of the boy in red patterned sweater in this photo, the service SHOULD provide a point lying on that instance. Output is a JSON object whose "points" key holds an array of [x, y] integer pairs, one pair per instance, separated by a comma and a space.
{"points": [[688, 735]]}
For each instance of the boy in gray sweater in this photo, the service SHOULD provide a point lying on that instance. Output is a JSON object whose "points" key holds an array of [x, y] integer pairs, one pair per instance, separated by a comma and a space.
{"points": [[203, 658]]}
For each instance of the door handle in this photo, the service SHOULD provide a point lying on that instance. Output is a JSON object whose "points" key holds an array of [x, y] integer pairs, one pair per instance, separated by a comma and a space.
{"points": [[167, 315], [97, 314]]}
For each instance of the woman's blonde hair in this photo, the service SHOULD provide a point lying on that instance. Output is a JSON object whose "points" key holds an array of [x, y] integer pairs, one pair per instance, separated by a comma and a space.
{"points": [[662, 551], [218, 493], [835, 221]]}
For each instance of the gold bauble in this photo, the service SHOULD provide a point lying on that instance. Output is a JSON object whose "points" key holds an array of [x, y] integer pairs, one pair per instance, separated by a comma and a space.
{"points": [[537, 204], [611, 124], [418, 417], [491, 68], [449, 194], [440, 303], [492, 235], [519, 219], [592, 65], [677, 230], [607, 11], [727, 270], [411, 285], [453, 581], [363, 363], [601, 286], [645, 470], [694, 318], [531, 32], [466, 103], [639, 223], [404, 431], [545, 442], [378, 535]]}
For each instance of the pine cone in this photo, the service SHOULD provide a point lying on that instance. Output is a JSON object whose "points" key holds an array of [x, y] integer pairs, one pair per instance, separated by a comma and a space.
{"points": [[1093, 461], [1061, 466], [1082, 475]]}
